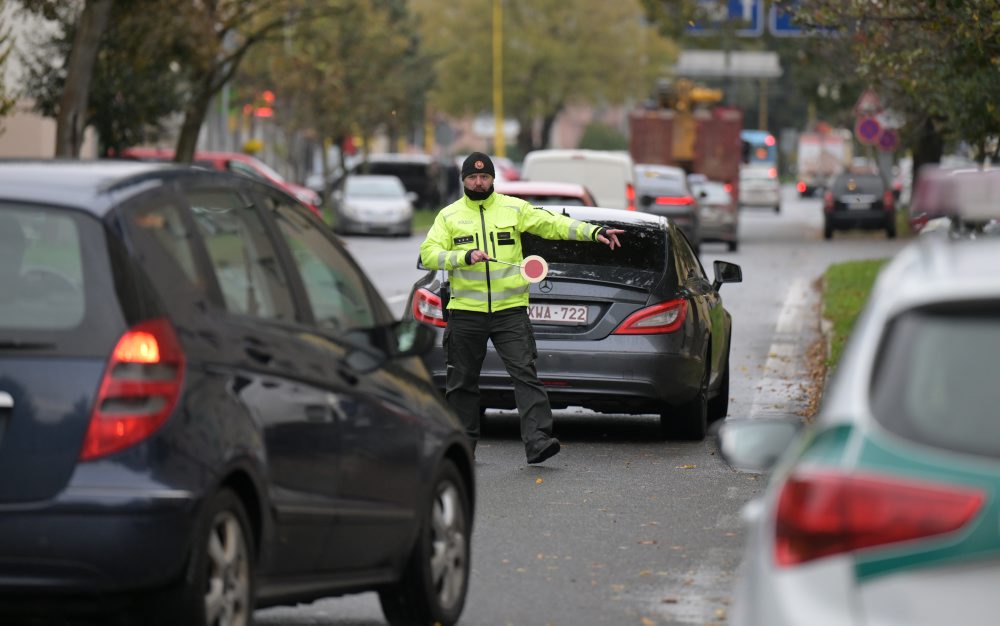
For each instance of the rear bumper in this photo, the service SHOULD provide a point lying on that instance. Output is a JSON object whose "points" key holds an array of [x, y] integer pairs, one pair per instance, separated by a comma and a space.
{"points": [[874, 219], [625, 381], [95, 540], [401, 227], [760, 197]]}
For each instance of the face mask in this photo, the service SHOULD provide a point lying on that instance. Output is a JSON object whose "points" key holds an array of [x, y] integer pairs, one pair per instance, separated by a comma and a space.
{"points": [[478, 195]]}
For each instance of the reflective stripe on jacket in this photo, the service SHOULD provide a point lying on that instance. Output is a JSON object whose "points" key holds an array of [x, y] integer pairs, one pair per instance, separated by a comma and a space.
{"points": [[493, 225]]}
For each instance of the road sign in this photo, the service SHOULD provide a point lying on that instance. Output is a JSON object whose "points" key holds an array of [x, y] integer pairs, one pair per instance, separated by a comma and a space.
{"points": [[888, 140], [781, 20], [867, 130], [746, 15], [868, 104]]}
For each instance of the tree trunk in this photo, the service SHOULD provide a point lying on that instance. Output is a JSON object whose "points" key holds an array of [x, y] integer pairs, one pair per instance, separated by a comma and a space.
{"points": [[194, 118], [547, 123], [71, 119]]}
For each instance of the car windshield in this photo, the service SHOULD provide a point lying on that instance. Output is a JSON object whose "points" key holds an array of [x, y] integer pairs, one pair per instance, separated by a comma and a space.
{"points": [[539, 199], [858, 184], [374, 187], [646, 249], [935, 378], [661, 187]]}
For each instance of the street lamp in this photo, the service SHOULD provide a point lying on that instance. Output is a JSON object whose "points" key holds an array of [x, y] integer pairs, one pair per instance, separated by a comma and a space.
{"points": [[499, 142]]}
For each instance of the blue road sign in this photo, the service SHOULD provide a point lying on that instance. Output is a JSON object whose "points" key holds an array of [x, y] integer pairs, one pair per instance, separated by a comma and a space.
{"points": [[746, 15], [781, 20]]}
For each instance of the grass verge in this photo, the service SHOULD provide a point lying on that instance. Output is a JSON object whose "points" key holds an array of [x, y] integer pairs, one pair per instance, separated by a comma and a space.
{"points": [[846, 288]]}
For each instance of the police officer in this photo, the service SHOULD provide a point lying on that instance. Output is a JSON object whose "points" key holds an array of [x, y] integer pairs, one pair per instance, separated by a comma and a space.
{"points": [[490, 300]]}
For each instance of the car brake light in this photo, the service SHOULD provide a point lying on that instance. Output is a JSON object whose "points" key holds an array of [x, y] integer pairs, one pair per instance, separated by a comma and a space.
{"points": [[139, 390], [772, 172], [630, 196], [665, 317], [828, 201], [427, 308], [728, 187], [682, 201], [801, 187], [822, 514]]}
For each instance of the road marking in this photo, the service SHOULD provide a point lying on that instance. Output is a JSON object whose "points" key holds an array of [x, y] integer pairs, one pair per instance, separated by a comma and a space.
{"points": [[782, 379]]}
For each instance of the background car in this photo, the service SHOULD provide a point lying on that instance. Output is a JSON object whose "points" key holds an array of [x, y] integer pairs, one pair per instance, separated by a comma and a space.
{"points": [[539, 192], [237, 163], [884, 509], [206, 407], [859, 201], [373, 204], [718, 215], [609, 175], [664, 190], [760, 187], [647, 309], [432, 180]]}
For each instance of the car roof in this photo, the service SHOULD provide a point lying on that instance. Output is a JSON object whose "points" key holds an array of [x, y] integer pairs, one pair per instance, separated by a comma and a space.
{"points": [[578, 153], [540, 187], [599, 215], [398, 157], [79, 183]]}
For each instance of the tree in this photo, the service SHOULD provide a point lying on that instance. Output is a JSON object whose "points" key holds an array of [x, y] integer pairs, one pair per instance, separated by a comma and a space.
{"points": [[7, 97], [937, 61], [555, 53]]}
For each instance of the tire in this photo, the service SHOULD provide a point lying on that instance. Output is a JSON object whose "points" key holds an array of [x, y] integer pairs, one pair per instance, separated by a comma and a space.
{"points": [[435, 581], [777, 208], [890, 231], [218, 587], [733, 246], [718, 407], [827, 231], [688, 421]]}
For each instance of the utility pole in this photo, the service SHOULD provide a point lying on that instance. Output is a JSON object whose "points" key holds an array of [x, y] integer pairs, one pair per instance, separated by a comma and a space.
{"points": [[499, 142]]}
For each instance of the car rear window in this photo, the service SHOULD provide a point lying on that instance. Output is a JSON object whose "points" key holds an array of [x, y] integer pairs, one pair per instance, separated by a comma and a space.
{"points": [[644, 247], [540, 199], [41, 279], [57, 285], [858, 184], [661, 187], [935, 378]]}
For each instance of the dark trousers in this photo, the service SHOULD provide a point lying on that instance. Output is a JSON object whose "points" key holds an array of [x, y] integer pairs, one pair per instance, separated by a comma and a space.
{"points": [[464, 350]]}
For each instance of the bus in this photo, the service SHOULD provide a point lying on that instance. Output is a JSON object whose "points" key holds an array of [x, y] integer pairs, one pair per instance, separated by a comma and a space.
{"points": [[759, 148]]}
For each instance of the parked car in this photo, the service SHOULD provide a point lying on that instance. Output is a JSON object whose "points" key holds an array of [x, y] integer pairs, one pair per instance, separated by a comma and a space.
{"points": [[760, 187], [718, 215], [609, 175], [883, 510], [539, 192], [373, 204], [421, 173], [237, 163], [664, 190], [206, 407], [647, 309], [859, 201]]}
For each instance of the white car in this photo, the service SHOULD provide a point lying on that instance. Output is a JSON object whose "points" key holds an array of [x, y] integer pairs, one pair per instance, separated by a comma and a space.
{"points": [[760, 187], [884, 510], [373, 204]]}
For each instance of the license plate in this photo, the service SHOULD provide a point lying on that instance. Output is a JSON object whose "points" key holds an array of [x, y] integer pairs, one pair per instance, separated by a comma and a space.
{"points": [[557, 314], [859, 205]]}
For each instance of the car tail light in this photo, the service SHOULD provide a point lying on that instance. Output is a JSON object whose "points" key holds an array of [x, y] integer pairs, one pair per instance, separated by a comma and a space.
{"points": [[427, 308], [822, 514], [665, 317], [801, 187], [728, 187], [675, 201], [630, 196], [140, 388], [888, 201], [772, 172], [828, 201]]}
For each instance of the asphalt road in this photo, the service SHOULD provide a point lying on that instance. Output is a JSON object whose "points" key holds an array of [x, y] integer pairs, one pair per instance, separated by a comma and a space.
{"points": [[620, 527]]}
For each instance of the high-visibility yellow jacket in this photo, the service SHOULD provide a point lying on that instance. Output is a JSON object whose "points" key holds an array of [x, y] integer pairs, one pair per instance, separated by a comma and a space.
{"points": [[493, 225]]}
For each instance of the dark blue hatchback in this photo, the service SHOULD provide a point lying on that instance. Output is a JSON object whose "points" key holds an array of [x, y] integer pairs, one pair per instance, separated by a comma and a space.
{"points": [[206, 407]]}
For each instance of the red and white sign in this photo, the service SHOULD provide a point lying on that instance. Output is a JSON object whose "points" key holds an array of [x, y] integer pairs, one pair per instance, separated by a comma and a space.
{"points": [[868, 104]]}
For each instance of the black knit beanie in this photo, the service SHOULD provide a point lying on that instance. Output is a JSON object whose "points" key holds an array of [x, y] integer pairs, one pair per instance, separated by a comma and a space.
{"points": [[477, 163]]}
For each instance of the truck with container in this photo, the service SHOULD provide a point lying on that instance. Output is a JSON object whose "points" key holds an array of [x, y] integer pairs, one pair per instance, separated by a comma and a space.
{"points": [[687, 128], [821, 155]]}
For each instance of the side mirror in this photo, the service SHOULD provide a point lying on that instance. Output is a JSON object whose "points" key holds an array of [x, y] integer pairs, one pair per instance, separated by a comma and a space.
{"points": [[401, 339], [412, 338], [412, 197], [726, 272], [755, 444]]}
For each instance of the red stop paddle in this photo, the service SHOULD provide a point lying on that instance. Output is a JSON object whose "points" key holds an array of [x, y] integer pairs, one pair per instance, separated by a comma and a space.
{"points": [[534, 268]]}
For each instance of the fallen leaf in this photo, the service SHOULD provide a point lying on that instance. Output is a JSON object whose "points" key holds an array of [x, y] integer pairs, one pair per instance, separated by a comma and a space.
{"points": [[686, 467], [648, 622], [539, 481], [670, 601], [647, 542]]}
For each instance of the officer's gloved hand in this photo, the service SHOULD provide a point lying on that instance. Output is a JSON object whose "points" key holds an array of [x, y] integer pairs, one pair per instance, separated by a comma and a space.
{"points": [[608, 236], [475, 256]]}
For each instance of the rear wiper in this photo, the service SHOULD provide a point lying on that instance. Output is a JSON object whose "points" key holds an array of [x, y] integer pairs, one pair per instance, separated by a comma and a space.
{"points": [[16, 344]]}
